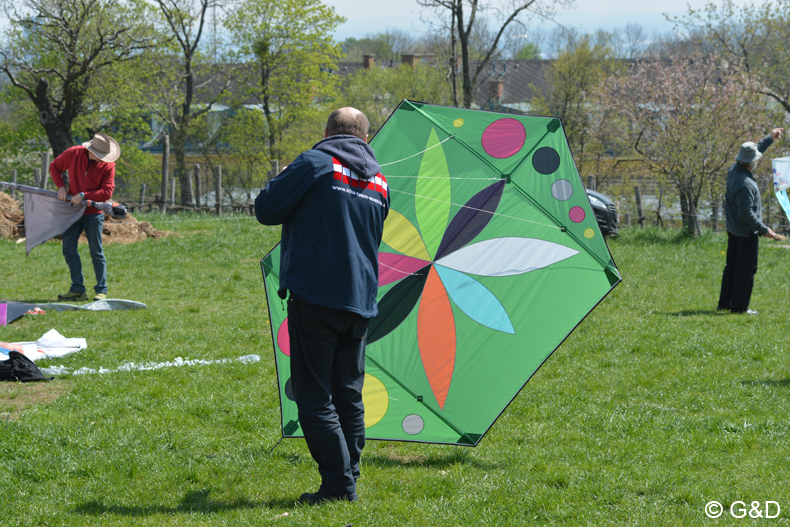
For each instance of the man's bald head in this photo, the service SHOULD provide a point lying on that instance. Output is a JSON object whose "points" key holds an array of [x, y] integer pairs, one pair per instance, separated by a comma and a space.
{"points": [[347, 121]]}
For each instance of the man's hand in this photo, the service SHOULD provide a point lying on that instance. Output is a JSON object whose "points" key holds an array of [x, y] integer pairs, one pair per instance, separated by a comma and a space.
{"points": [[62, 193], [76, 199], [776, 133], [778, 237]]}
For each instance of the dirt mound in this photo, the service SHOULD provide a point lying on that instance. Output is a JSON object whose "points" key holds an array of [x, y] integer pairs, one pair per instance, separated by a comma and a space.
{"points": [[116, 230], [128, 230], [11, 217]]}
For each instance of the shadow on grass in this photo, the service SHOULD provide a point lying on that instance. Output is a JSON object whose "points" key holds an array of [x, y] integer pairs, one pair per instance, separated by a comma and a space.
{"points": [[783, 383], [695, 313], [195, 501], [391, 460]]}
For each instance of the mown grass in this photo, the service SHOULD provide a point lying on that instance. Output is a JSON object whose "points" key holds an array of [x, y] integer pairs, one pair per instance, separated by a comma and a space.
{"points": [[654, 406]]}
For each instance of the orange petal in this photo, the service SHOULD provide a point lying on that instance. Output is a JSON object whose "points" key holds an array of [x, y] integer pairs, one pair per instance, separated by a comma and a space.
{"points": [[436, 336]]}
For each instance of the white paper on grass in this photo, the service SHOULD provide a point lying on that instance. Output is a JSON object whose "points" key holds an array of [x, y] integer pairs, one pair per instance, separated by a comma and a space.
{"points": [[51, 345]]}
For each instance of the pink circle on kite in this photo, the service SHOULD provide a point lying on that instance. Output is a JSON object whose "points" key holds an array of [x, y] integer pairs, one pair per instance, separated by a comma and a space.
{"points": [[503, 138], [576, 214], [283, 340]]}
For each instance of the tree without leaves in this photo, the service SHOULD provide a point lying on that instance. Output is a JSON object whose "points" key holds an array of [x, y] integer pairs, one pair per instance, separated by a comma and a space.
{"points": [[179, 88], [463, 17], [687, 118], [57, 52], [756, 38]]}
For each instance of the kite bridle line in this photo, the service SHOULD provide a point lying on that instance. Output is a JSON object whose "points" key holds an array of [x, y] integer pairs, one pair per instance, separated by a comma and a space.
{"points": [[418, 153], [479, 210]]}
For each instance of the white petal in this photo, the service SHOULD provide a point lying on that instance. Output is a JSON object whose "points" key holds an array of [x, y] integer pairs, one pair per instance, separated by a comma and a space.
{"points": [[506, 256]]}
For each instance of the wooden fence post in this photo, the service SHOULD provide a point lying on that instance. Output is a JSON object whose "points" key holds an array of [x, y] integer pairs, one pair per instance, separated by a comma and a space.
{"points": [[218, 195], [142, 195], [172, 191], [191, 189], [638, 196], [165, 163], [591, 182], [13, 180], [45, 169], [37, 177], [199, 185]]}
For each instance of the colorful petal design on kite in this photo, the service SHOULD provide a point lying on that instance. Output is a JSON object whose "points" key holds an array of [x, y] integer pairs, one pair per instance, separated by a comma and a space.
{"points": [[401, 235], [471, 219], [394, 267], [439, 282], [506, 256], [474, 299], [432, 204], [397, 304], [436, 336]]}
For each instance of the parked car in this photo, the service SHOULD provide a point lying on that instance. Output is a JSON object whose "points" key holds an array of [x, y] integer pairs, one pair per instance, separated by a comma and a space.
{"points": [[605, 212]]}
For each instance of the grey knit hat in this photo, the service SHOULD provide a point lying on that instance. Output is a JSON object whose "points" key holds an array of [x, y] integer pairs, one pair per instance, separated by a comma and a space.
{"points": [[748, 153]]}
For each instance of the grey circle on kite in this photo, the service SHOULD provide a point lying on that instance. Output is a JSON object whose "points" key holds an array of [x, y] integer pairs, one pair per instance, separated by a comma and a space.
{"points": [[562, 190], [413, 424], [546, 160]]}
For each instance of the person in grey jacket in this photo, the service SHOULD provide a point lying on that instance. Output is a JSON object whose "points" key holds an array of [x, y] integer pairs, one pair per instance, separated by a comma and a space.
{"points": [[744, 211]]}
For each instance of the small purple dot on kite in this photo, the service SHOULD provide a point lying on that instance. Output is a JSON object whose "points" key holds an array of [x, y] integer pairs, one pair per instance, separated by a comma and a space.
{"points": [[503, 138], [576, 215]]}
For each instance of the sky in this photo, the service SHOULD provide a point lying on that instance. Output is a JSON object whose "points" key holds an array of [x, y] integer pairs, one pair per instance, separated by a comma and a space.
{"points": [[375, 16]]}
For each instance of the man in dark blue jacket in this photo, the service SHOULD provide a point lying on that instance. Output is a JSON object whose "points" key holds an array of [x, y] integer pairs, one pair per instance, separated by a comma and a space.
{"points": [[332, 202], [744, 212]]}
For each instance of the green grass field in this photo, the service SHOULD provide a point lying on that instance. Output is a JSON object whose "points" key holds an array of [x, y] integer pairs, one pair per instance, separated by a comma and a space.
{"points": [[653, 407]]}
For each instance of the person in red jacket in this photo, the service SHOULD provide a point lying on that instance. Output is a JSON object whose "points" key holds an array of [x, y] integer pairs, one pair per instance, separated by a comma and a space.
{"points": [[91, 170]]}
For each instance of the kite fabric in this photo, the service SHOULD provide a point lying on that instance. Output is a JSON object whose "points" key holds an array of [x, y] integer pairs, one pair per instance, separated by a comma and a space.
{"points": [[491, 256], [781, 169], [15, 310], [46, 216]]}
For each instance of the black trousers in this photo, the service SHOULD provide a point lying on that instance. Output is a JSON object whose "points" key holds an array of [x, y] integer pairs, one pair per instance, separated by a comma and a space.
{"points": [[737, 280], [327, 372]]}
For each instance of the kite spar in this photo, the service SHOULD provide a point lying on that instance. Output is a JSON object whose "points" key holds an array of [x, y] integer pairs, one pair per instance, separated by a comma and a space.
{"points": [[46, 216], [491, 256]]}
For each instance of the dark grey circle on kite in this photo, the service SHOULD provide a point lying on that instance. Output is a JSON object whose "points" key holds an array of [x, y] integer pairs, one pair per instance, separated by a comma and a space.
{"points": [[546, 160], [562, 190], [289, 390], [413, 424]]}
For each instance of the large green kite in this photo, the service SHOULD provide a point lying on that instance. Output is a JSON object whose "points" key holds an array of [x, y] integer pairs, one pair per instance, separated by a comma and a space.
{"points": [[491, 256]]}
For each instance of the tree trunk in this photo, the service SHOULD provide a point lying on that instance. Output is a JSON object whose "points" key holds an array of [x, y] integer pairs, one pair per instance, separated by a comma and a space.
{"points": [[690, 215], [57, 127]]}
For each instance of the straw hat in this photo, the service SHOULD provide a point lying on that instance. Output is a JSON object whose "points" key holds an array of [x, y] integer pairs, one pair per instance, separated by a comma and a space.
{"points": [[104, 147]]}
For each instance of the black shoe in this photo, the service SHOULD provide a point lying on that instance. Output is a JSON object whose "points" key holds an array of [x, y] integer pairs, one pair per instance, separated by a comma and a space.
{"points": [[317, 498]]}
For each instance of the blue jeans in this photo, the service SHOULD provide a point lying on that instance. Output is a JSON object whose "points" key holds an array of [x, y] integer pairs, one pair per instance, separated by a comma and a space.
{"points": [[92, 225], [327, 374]]}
